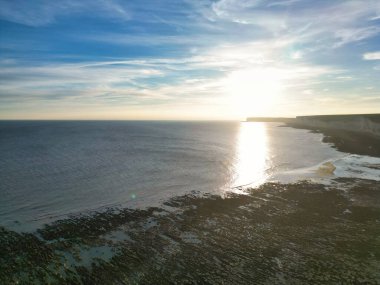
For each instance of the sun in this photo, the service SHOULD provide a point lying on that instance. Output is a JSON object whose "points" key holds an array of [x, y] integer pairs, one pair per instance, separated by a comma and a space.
{"points": [[252, 92]]}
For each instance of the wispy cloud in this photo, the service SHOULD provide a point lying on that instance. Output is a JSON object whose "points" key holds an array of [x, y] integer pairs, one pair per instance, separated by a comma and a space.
{"points": [[155, 80], [372, 55], [43, 12], [346, 36], [339, 22], [282, 3]]}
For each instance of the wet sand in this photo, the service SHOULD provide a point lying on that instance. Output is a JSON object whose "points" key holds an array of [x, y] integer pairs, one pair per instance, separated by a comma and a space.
{"points": [[276, 234]]}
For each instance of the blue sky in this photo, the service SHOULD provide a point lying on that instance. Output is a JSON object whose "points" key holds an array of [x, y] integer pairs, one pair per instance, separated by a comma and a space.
{"points": [[188, 59]]}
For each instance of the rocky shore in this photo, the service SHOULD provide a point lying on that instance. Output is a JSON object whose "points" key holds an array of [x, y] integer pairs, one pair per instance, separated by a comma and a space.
{"points": [[299, 233]]}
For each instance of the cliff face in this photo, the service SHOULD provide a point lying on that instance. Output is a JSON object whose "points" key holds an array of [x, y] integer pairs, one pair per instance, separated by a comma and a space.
{"points": [[360, 123]]}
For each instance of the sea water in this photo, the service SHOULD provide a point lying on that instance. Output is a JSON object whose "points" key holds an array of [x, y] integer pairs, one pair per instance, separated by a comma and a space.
{"points": [[52, 169]]}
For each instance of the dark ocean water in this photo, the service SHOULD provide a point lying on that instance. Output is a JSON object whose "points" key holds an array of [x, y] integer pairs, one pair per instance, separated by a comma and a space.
{"points": [[49, 169], [55, 168]]}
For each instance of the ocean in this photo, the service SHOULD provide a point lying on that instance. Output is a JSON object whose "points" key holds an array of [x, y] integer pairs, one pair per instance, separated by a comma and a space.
{"points": [[141, 202], [51, 169]]}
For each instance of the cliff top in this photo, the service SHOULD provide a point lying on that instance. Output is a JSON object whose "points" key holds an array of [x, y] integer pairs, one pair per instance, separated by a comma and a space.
{"points": [[372, 117]]}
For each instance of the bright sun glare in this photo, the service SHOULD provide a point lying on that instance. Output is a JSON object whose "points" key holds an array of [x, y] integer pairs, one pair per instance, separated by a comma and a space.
{"points": [[251, 156], [253, 91]]}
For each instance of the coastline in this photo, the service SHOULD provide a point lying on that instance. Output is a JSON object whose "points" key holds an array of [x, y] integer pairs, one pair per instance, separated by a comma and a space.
{"points": [[354, 142], [294, 233], [354, 134], [277, 233]]}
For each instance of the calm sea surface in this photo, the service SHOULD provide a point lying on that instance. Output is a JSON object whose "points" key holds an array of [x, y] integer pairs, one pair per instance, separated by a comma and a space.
{"points": [[51, 169]]}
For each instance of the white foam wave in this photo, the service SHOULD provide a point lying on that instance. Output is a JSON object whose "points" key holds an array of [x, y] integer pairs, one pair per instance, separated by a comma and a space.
{"points": [[358, 166], [350, 166]]}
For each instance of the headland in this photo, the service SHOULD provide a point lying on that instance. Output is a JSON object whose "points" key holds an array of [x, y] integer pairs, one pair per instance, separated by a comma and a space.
{"points": [[352, 133]]}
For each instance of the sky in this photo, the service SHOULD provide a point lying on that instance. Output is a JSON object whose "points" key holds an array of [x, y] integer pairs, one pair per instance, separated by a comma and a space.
{"points": [[188, 59]]}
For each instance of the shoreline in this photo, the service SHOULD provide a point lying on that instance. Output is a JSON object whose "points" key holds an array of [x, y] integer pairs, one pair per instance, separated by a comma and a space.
{"points": [[351, 133], [353, 142], [295, 233]]}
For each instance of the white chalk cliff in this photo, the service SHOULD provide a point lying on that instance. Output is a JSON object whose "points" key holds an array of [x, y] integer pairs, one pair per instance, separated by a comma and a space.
{"points": [[361, 123]]}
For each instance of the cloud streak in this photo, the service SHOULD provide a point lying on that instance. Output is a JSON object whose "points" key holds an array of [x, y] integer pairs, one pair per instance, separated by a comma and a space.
{"points": [[372, 55], [43, 12]]}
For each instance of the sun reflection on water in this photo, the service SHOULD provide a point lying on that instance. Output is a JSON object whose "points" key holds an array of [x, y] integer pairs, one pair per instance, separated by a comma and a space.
{"points": [[251, 155]]}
